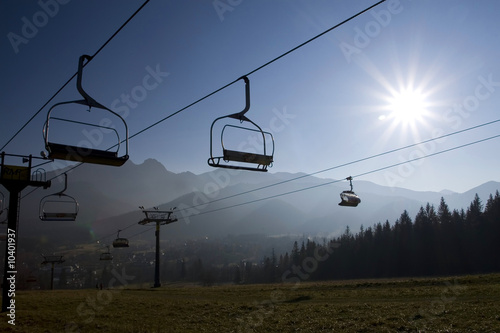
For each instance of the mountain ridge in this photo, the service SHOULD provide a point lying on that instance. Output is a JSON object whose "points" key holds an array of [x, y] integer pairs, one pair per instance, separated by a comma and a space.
{"points": [[221, 202]]}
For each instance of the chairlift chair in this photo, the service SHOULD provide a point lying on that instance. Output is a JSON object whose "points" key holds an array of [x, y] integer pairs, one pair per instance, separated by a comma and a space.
{"points": [[260, 160], [106, 255], [80, 153], [120, 242], [59, 206], [349, 198]]}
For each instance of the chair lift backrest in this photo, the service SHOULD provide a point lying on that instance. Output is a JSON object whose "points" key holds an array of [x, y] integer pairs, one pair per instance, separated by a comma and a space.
{"points": [[106, 255], [262, 160], [120, 242], [81, 154]]}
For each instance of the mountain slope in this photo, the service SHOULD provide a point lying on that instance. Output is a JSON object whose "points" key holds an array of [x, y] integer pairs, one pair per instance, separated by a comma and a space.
{"points": [[222, 202]]}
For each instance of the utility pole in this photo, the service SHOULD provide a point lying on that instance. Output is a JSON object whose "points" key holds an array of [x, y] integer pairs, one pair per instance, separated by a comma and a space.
{"points": [[160, 217], [15, 178], [52, 260]]}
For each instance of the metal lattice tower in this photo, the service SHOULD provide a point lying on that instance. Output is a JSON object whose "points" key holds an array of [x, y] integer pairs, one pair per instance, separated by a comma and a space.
{"points": [[52, 260], [15, 178], [160, 217]]}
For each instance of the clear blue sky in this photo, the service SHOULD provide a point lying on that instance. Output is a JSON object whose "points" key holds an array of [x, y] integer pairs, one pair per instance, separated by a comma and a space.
{"points": [[331, 102]]}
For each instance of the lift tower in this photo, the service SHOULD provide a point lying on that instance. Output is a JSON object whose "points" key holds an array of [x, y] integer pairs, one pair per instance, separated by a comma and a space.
{"points": [[160, 217], [52, 260], [15, 178]]}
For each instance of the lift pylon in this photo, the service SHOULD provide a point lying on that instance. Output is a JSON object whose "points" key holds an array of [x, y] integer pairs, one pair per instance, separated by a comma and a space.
{"points": [[14, 178], [160, 217], [52, 260]]}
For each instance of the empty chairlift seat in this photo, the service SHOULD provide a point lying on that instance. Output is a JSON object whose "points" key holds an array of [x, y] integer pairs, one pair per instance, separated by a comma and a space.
{"points": [[80, 152], [120, 241], [238, 159], [59, 206], [106, 255]]}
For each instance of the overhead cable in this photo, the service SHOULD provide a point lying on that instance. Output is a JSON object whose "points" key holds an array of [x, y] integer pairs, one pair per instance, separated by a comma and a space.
{"points": [[354, 176], [341, 180], [74, 75]]}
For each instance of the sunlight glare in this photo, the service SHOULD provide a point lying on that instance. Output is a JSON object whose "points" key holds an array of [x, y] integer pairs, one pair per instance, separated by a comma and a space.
{"points": [[407, 106]]}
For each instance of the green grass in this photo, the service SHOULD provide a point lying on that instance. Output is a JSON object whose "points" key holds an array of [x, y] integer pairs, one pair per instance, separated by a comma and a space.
{"points": [[454, 304]]}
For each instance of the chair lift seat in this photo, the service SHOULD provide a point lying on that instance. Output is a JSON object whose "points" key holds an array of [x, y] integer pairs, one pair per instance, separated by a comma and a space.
{"points": [[58, 216], [349, 199], [120, 242], [95, 156], [261, 160], [237, 156]]}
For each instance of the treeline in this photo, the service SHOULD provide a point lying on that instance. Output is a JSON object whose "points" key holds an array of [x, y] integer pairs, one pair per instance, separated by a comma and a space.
{"points": [[436, 242]]}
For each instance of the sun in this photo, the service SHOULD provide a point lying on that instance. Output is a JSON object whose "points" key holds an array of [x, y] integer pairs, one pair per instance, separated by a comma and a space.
{"points": [[406, 110], [407, 106]]}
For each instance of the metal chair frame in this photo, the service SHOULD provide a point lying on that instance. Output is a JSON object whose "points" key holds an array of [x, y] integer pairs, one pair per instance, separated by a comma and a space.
{"points": [[61, 215], [82, 154], [262, 161]]}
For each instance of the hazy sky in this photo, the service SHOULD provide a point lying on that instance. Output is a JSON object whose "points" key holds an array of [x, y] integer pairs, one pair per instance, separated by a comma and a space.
{"points": [[336, 100]]}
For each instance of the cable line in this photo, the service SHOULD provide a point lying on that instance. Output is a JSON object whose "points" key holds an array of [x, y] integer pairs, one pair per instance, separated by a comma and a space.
{"points": [[332, 182], [74, 75], [122, 229], [355, 176], [257, 69], [345, 164], [253, 71], [316, 37], [129, 237], [340, 180], [217, 90], [314, 173]]}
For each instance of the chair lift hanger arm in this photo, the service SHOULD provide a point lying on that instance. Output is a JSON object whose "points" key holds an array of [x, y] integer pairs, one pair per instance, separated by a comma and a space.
{"points": [[57, 209], [239, 115], [75, 153], [262, 160]]}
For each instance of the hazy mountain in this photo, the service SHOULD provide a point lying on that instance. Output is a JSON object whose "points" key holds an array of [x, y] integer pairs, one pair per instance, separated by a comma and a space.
{"points": [[221, 202]]}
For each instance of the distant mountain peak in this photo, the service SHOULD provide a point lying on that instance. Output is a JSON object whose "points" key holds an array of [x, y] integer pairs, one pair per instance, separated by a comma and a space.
{"points": [[446, 192], [151, 161]]}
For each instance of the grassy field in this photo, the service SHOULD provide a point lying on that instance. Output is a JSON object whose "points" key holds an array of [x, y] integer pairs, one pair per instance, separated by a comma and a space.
{"points": [[454, 304]]}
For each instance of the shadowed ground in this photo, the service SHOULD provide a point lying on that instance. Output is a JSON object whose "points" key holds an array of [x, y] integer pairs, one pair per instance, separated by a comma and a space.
{"points": [[448, 304]]}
